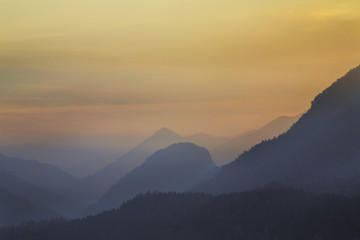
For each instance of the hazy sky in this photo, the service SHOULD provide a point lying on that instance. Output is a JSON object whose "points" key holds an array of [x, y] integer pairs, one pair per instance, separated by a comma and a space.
{"points": [[79, 68]]}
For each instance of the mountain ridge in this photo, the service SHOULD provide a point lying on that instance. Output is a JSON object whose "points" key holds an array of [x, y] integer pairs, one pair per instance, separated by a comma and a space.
{"points": [[37, 195], [175, 168], [321, 149], [231, 149], [44, 175], [104, 178], [16, 210]]}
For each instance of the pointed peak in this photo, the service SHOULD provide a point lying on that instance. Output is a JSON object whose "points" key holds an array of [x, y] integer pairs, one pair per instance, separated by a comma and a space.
{"points": [[165, 132]]}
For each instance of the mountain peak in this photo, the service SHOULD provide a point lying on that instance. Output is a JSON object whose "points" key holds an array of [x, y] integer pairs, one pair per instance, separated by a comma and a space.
{"points": [[174, 168], [164, 132], [185, 146], [319, 152]]}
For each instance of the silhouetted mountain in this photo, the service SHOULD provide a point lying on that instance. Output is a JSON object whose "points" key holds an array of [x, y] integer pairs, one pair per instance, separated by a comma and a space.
{"points": [[98, 183], [175, 168], [256, 215], [15, 210], [95, 185], [79, 156], [320, 152], [231, 149], [44, 175], [38, 195]]}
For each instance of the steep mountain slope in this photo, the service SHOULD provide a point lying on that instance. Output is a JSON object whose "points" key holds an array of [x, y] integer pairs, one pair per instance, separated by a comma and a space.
{"points": [[175, 168], [256, 215], [231, 149], [15, 210], [98, 183], [44, 175], [321, 151], [37, 195]]}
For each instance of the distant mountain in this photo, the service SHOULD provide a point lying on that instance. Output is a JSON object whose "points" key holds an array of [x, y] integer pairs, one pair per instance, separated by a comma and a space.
{"points": [[78, 156], [95, 185], [44, 175], [320, 152], [256, 215], [98, 183], [231, 149], [38, 195], [175, 168], [15, 210]]}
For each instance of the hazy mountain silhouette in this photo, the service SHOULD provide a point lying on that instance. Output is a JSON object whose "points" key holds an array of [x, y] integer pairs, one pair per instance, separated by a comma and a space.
{"points": [[98, 183], [79, 156], [320, 152], [15, 210], [44, 175], [38, 195], [231, 149], [175, 168], [91, 188]]}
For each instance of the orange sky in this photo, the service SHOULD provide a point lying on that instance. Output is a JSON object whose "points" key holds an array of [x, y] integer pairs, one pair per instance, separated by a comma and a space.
{"points": [[85, 68]]}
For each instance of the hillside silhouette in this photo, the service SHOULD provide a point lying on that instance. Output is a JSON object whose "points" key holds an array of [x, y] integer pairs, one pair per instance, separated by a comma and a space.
{"points": [[95, 185], [175, 168], [38, 196], [320, 152], [268, 213], [44, 175], [16, 210], [231, 149]]}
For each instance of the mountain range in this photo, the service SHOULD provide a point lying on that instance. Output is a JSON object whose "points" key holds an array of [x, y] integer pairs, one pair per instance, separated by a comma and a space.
{"points": [[320, 152], [230, 150], [77, 192], [89, 189], [175, 168], [44, 175], [97, 184], [37, 195]]}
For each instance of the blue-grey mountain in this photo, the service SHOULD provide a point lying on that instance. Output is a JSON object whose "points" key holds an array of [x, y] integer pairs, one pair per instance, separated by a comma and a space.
{"points": [[95, 185], [44, 175], [37, 195], [175, 168], [15, 210], [230, 150], [320, 152]]}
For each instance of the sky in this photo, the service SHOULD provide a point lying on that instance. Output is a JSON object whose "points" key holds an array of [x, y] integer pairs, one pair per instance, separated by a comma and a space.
{"points": [[75, 69]]}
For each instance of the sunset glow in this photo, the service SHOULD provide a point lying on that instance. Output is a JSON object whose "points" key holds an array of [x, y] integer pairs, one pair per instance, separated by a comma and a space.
{"points": [[79, 68]]}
